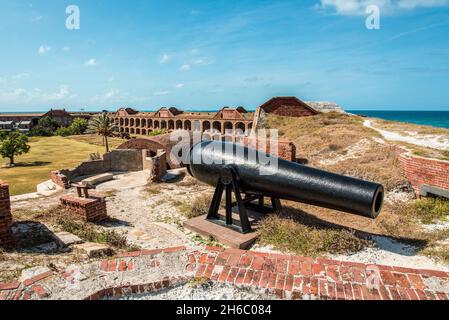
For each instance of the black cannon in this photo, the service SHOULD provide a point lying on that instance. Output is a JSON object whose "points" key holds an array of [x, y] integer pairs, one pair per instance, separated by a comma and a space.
{"points": [[234, 168]]}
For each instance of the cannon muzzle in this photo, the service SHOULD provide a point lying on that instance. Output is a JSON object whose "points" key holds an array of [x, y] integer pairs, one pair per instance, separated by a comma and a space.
{"points": [[290, 181]]}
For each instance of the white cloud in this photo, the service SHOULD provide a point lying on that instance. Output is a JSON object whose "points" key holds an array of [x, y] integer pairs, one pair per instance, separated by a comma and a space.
{"points": [[164, 58], [185, 67], [180, 86], [358, 7], [43, 49], [61, 94], [35, 95], [412, 4], [21, 76], [91, 62], [203, 62], [66, 48], [110, 94], [194, 51], [161, 93]]}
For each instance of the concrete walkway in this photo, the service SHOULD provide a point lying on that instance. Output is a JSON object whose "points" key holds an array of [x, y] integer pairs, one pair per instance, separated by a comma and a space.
{"points": [[273, 275]]}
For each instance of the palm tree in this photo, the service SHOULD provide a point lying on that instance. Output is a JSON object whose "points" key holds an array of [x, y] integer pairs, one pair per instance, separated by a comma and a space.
{"points": [[102, 125]]}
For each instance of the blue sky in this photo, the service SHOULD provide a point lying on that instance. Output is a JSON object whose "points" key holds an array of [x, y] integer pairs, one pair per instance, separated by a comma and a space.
{"points": [[206, 54]]}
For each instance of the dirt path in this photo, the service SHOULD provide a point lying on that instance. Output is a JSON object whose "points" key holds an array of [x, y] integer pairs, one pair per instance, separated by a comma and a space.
{"points": [[429, 141], [146, 214]]}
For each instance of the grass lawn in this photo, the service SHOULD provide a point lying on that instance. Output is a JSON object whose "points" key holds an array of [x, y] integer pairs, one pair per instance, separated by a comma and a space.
{"points": [[46, 154]]}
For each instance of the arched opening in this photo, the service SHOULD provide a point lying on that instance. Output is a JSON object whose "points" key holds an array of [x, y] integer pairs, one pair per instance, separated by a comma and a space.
{"points": [[144, 123], [122, 129], [250, 126], [179, 125], [126, 122], [228, 128], [150, 123], [196, 125], [156, 124], [127, 130], [121, 122], [239, 128], [206, 126], [137, 122], [133, 131], [187, 125], [131, 122], [216, 126], [144, 132], [163, 124], [171, 125], [137, 131]]}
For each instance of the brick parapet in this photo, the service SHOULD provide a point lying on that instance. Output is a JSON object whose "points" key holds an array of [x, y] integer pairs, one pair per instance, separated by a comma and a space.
{"points": [[276, 275], [5, 215], [90, 209], [424, 171]]}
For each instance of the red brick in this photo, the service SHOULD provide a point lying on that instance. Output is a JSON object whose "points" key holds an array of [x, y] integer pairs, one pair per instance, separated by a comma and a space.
{"points": [[357, 290], [9, 286], [289, 282], [264, 279], [280, 282], [232, 275], [122, 266], [112, 265], [269, 265], [249, 277], [233, 260], [37, 278], [40, 291], [222, 258], [272, 280], [281, 265], [224, 274], [240, 276], [333, 273], [256, 278], [306, 269], [348, 291], [257, 263], [200, 271], [294, 267], [245, 261], [416, 281]]}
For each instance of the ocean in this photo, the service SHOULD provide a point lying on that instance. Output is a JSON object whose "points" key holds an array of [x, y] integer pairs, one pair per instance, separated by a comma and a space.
{"points": [[428, 118]]}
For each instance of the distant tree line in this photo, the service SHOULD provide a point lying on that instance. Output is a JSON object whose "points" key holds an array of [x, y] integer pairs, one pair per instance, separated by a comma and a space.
{"points": [[47, 127]]}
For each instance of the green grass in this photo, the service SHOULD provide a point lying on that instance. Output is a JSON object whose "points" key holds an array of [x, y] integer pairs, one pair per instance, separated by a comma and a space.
{"points": [[287, 234], [46, 154], [431, 210]]}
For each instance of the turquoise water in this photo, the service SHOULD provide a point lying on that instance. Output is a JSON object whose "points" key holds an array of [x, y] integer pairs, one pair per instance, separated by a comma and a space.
{"points": [[428, 118]]}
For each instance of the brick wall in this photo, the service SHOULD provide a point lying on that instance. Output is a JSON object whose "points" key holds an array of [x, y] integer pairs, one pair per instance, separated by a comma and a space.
{"points": [[59, 179], [285, 149], [90, 209], [421, 171], [5, 215], [158, 166]]}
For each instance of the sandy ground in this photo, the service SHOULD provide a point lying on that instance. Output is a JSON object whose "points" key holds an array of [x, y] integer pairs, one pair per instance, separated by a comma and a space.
{"points": [[429, 141], [149, 219], [207, 291]]}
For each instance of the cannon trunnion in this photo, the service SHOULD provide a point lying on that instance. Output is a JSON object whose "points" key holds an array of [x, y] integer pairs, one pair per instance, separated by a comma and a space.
{"points": [[232, 168]]}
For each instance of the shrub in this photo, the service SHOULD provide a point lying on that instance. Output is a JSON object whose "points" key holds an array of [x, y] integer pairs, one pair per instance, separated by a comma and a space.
{"points": [[430, 210], [89, 233], [287, 234], [157, 132]]}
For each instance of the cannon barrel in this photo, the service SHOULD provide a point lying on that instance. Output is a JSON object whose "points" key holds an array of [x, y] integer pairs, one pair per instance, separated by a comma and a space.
{"points": [[291, 181]]}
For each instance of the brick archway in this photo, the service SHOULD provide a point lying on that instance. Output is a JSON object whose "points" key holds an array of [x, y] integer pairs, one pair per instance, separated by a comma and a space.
{"points": [[154, 144]]}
